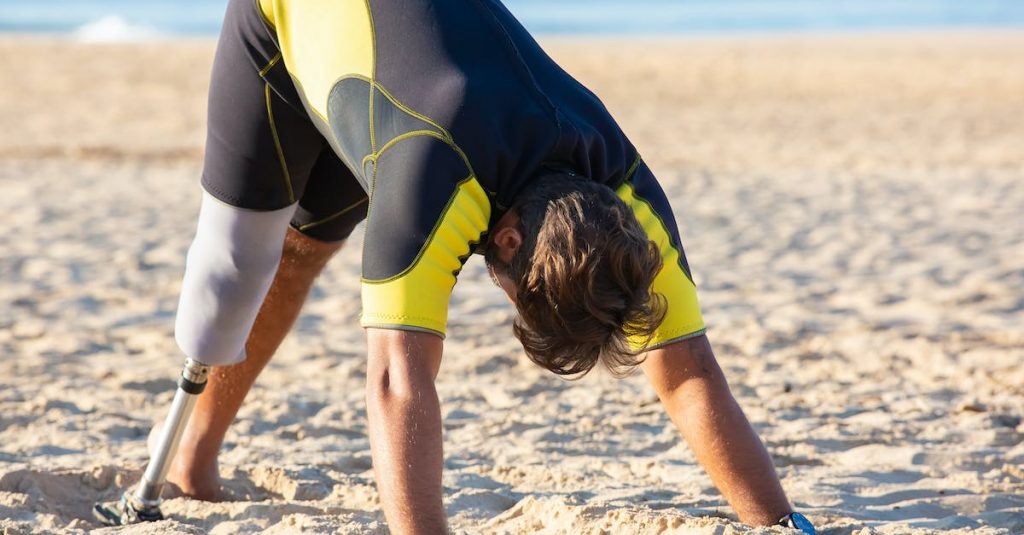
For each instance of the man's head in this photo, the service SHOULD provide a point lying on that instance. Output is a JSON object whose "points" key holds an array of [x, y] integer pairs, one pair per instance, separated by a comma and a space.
{"points": [[573, 258]]}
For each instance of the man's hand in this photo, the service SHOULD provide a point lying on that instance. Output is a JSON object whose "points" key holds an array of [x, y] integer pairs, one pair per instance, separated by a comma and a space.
{"points": [[694, 391], [405, 428]]}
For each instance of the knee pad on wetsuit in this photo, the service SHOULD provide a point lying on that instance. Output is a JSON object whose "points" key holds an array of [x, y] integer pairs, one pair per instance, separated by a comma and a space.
{"points": [[230, 266]]}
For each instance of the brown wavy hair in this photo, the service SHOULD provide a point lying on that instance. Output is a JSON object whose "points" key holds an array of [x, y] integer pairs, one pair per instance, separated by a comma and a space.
{"points": [[582, 276]]}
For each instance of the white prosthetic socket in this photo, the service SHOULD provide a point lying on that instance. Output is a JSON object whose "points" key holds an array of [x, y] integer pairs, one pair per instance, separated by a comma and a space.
{"points": [[230, 266]]}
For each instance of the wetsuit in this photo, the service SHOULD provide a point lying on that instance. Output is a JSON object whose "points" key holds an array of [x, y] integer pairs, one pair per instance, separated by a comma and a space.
{"points": [[428, 118]]}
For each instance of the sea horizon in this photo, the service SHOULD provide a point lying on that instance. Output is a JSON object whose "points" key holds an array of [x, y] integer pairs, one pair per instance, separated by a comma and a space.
{"points": [[129, 20]]}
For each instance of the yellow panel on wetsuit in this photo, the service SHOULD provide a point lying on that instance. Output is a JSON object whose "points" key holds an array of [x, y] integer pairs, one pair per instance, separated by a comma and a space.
{"points": [[308, 32], [683, 318], [418, 296]]}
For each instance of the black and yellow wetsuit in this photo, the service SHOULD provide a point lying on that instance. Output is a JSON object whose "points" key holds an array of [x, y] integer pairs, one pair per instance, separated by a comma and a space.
{"points": [[428, 118]]}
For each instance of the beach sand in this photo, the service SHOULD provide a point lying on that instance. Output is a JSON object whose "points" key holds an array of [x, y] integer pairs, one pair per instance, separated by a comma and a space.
{"points": [[851, 208]]}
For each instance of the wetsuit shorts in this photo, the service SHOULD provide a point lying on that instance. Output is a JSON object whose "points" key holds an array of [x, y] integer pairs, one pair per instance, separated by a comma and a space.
{"points": [[262, 151]]}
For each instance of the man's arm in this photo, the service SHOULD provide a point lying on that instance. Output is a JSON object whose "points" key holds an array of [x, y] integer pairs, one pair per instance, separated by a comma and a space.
{"points": [[693, 389], [405, 428]]}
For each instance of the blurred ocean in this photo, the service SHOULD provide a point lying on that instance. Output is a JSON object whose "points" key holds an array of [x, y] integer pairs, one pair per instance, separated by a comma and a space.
{"points": [[142, 19]]}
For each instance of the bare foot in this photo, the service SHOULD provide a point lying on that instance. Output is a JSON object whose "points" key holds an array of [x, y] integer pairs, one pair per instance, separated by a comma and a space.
{"points": [[198, 479]]}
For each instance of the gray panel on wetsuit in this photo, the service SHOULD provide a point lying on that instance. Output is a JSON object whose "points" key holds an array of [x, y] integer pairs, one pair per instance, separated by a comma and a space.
{"points": [[390, 121], [347, 107]]}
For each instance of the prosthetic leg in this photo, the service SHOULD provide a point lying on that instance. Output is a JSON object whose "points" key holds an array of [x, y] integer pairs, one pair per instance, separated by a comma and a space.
{"points": [[230, 267], [143, 505]]}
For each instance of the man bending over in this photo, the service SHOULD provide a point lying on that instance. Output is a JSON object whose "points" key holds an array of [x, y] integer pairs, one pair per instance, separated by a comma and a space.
{"points": [[445, 126]]}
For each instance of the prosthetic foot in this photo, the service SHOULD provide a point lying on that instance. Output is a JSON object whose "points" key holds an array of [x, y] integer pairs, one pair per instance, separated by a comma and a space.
{"points": [[143, 504]]}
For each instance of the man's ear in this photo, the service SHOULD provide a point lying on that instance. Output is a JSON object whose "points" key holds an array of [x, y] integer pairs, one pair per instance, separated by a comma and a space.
{"points": [[508, 239]]}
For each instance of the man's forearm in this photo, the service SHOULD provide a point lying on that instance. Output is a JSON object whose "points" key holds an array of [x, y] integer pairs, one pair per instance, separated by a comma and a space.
{"points": [[721, 437], [405, 432], [697, 398]]}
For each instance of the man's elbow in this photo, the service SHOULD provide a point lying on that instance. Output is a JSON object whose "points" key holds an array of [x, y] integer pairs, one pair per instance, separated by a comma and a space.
{"points": [[391, 380], [401, 368], [382, 383]]}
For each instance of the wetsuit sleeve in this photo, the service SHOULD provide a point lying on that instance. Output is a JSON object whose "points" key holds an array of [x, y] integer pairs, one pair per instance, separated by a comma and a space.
{"points": [[683, 319], [427, 212]]}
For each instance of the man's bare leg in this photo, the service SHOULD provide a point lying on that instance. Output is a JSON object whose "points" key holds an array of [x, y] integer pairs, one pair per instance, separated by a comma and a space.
{"points": [[194, 470]]}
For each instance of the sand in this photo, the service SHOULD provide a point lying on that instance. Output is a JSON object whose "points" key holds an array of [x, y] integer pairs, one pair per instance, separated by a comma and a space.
{"points": [[851, 206]]}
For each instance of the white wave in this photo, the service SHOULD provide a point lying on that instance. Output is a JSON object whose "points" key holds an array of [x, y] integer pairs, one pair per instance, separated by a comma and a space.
{"points": [[114, 28]]}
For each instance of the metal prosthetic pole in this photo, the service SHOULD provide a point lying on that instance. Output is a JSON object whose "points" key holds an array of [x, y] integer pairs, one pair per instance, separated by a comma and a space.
{"points": [[191, 383], [143, 505]]}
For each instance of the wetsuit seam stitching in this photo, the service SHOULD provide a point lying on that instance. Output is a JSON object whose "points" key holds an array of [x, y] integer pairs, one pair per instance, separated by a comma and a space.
{"points": [[681, 336], [270, 65], [266, 22], [232, 200], [334, 216], [311, 109], [219, 192], [373, 77], [664, 227], [373, 136], [446, 136], [399, 138], [430, 237], [405, 327], [415, 114], [385, 315], [278, 147], [628, 175]]}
